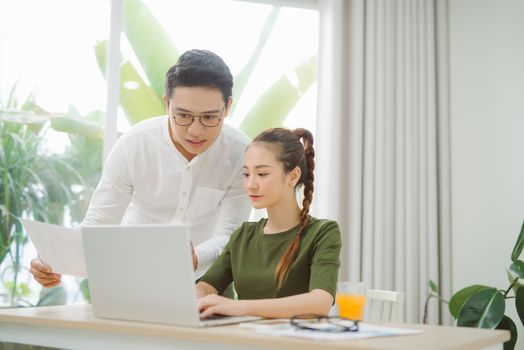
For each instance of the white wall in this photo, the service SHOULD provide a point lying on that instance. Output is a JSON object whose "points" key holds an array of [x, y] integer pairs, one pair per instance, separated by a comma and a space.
{"points": [[487, 126]]}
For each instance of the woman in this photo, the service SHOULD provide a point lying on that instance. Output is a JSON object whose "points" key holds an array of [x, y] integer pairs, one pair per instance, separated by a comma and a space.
{"points": [[284, 265]]}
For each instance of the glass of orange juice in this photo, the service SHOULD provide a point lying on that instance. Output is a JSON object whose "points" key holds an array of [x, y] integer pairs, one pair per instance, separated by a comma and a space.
{"points": [[350, 300]]}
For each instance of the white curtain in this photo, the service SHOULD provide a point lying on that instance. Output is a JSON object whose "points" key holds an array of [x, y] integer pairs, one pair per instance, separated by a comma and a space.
{"points": [[382, 143]]}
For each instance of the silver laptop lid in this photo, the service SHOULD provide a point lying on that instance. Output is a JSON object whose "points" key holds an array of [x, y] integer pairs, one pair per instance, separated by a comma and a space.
{"points": [[141, 273]]}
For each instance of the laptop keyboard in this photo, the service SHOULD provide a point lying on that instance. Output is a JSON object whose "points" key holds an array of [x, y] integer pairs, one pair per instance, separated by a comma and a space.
{"points": [[224, 320], [215, 317]]}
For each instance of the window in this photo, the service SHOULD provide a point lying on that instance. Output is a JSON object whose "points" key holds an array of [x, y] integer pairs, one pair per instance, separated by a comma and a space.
{"points": [[275, 47], [47, 67], [52, 64]]}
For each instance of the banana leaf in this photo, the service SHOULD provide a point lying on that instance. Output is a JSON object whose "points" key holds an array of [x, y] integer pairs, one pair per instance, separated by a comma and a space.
{"points": [[152, 45], [274, 105], [22, 117], [242, 77], [138, 100], [77, 126], [59, 122]]}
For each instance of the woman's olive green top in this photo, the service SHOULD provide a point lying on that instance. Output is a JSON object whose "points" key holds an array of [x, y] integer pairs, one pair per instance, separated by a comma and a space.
{"points": [[251, 257]]}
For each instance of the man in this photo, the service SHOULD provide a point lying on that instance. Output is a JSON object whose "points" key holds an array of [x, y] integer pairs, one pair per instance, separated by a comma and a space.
{"points": [[183, 168]]}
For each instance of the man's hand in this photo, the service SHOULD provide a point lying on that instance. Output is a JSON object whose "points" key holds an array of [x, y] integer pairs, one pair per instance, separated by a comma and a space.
{"points": [[195, 258], [43, 273], [213, 304]]}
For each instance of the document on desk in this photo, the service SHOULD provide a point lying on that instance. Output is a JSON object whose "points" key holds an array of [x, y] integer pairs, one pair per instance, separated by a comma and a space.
{"points": [[365, 331], [59, 247]]}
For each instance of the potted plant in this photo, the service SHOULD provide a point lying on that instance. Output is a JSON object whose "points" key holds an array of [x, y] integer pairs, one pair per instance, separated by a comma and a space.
{"points": [[484, 306], [29, 186]]}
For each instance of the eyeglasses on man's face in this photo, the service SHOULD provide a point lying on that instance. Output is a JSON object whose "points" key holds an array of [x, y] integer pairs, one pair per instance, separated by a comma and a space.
{"points": [[209, 120], [318, 323]]}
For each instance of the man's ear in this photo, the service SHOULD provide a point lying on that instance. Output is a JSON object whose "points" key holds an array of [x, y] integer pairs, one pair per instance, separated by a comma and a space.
{"points": [[166, 102], [228, 106], [294, 176]]}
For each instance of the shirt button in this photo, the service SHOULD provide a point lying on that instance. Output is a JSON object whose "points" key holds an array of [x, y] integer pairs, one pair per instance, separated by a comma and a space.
{"points": [[180, 209]]}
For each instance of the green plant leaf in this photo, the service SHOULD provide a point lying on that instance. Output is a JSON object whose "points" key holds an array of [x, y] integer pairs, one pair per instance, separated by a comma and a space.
{"points": [[78, 126], [242, 77], [96, 117], [22, 117], [517, 267], [52, 296], [274, 105], [519, 245], [519, 303], [12, 102], [84, 288], [22, 289], [433, 286], [483, 309], [138, 100], [508, 324], [511, 279], [457, 300], [152, 45]]}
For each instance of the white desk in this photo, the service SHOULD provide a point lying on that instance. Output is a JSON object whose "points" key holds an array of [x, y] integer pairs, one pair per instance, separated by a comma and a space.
{"points": [[75, 327]]}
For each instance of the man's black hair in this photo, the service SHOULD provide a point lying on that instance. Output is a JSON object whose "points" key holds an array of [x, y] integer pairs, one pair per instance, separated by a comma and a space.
{"points": [[200, 68]]}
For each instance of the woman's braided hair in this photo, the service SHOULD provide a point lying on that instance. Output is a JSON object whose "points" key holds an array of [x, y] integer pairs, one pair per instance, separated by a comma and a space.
{"points": [[292, 153]]}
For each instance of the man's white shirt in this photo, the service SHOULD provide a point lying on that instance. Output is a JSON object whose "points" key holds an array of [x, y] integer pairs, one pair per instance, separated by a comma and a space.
{"points": [[146, 180]]}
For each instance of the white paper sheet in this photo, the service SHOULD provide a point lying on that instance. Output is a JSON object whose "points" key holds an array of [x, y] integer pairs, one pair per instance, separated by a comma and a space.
{"points": [[365, 331], [59, 247]]}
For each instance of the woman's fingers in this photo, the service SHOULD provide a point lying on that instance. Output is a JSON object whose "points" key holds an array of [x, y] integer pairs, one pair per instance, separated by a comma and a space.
{"points": [[216, 305], [205, 302], [210, 311], [205, 313], [212, 304]]}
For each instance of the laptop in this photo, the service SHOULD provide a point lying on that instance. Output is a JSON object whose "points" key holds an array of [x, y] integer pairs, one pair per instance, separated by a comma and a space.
{"points": [[144, 273]]}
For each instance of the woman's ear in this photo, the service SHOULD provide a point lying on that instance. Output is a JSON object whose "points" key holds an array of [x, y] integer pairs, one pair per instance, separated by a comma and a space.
{"points": [[294, 176]]}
